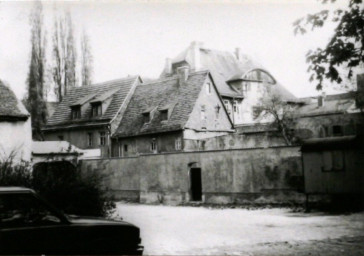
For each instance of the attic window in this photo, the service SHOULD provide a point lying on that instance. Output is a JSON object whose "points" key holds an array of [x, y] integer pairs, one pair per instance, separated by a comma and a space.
{"points": [[146, 117], [96, 109], [208, 88], [164, 114], [76, 112]]}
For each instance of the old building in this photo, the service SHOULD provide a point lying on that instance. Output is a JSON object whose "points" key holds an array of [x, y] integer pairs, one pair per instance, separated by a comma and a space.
{"points": [[15, 127], [172, 114], [240, 80], [88, 116], [333, 148]]}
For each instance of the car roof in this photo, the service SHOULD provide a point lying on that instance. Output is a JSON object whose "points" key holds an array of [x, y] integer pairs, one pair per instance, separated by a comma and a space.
{"points": [[14, 189]]}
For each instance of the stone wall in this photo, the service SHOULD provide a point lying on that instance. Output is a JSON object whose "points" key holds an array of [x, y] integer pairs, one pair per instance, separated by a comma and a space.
{"points": [[271, 175]]}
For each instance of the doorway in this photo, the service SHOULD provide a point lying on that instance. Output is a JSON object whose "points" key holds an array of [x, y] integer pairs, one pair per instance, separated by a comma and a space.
{"points": [[196, 184]]}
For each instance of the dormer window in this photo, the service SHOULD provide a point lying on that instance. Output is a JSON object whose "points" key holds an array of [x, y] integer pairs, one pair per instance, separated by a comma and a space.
{"points": [[164, 115], [75, 112], [96, 109], [146, 117]]}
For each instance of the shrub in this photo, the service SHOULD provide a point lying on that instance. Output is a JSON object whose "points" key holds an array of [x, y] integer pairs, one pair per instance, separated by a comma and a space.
{"points": [[61, 184]]}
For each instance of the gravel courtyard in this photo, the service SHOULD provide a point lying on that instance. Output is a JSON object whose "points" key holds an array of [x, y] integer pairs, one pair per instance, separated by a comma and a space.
{"points": [[170, 230]]}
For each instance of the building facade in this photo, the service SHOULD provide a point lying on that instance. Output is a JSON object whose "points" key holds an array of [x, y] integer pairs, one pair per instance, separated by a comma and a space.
{"points": [[15, 127], [172, 114], [88, 116]]}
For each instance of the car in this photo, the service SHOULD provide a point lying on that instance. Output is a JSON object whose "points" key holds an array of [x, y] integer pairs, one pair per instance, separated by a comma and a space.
{"points": [[30, 225]]}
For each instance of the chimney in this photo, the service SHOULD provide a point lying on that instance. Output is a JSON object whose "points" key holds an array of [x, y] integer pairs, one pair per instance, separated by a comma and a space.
{"points": [[182, 73], [321, 100], [195, 55], [238, 53], [168, 66]]}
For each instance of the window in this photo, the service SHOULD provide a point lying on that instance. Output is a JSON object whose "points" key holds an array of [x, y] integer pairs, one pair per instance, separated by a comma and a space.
{"points": [[208, 88], [236, 107], [322, 132], [125, 148], [333, 161], [89, 139], [24, 210], [146, 117], [153, 146], [96, 109], [337, 130], [203, 117], [60, 137], [217, 111], [102, 138], [245, 87], [227, 106], [164, 115], [178, 144], [76, 112]]}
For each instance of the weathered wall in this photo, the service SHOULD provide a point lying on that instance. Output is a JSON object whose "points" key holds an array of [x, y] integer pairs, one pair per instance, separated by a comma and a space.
{"points": [[236, 141], [350, 180], [79, 138], [228, 176], [142, 144], [310, 126], [16, 138]]}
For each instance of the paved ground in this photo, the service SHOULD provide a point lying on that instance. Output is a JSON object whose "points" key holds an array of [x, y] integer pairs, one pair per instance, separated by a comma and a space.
{"points": [[168, 230]]}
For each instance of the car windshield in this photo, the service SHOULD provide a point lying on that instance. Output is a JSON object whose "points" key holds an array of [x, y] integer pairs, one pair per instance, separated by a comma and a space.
{"points": [[22, 210]]}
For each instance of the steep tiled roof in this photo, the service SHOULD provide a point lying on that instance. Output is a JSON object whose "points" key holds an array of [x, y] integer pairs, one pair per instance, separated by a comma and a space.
{"points": [[223, 66], [117, 89], [10, 106], [157, 96]]}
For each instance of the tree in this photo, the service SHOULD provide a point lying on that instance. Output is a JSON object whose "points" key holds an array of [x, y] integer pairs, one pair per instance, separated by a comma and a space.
{"points": [[35, 81], [64, 54], [344, 52], [278, 112], [86, 60]]}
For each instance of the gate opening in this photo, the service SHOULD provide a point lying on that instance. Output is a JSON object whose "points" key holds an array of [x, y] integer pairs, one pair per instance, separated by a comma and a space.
{"points": [[196, 184]]}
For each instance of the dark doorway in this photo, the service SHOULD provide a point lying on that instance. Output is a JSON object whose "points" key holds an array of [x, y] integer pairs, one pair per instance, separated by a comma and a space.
{"points": [[196, 184]]}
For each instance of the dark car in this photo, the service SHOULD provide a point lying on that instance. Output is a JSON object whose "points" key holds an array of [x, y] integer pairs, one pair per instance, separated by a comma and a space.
{"points": [[30, 225]]}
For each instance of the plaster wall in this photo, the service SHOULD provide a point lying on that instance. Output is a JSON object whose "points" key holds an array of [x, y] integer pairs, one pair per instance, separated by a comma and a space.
{"points": [[16, 138], [79, 138], [213, 118], [228, 176]]}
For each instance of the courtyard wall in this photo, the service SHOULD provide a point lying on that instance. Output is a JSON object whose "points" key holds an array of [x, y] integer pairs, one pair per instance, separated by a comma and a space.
{"points": [[260, 175]]}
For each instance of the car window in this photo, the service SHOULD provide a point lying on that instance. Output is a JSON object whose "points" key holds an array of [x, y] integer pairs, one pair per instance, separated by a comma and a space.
{"points": [[24, 210]]}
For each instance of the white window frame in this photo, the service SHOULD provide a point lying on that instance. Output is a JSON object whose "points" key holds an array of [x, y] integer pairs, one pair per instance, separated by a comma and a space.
{"points": [[178, 143]]}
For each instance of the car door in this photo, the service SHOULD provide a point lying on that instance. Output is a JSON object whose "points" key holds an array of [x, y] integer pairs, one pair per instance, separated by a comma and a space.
{"points": [[28, 226]]}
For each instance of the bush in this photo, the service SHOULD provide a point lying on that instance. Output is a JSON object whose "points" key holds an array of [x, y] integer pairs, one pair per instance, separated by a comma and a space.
{"points": [[61, 184]]}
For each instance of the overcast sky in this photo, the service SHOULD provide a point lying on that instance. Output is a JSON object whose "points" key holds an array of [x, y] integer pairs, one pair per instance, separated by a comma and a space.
{"points": [[130, 37]]}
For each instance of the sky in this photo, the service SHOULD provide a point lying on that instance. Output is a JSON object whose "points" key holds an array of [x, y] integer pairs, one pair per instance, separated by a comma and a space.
{"points": [[135, 37]]}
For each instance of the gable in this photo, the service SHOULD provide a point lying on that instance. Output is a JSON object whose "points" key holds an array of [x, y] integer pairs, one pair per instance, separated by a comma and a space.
{"points": [[209, 112]]}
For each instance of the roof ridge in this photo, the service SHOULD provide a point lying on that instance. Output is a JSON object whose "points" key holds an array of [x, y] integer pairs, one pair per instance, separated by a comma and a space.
{"points": [[175, 77], [106, 83]]}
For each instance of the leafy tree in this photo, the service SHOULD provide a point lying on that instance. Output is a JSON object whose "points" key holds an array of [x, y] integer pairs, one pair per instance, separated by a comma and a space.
{"points": [[64, 54], [86, 60], [344, 52], [35, 81]]}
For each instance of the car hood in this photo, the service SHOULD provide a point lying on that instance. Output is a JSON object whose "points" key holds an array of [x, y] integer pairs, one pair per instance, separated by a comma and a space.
{"points": [[95, 220]]}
